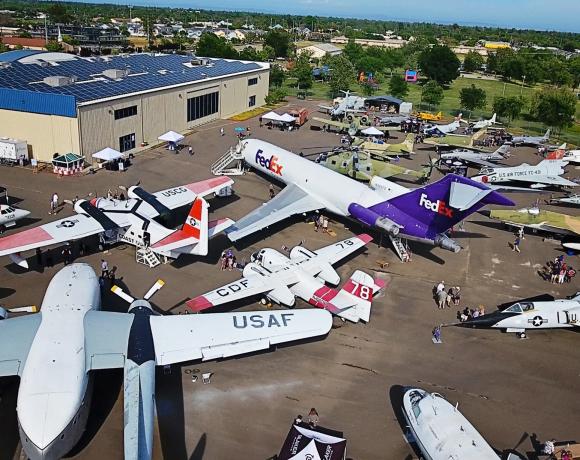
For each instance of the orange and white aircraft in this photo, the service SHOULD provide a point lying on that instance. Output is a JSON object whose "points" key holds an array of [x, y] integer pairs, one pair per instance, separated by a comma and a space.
{"points": [[131, 221]]}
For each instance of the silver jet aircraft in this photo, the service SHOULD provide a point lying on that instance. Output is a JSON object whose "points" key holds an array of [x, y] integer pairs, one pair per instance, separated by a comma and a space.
{"points": [[545, 175], [480, 159], [531, 140]]}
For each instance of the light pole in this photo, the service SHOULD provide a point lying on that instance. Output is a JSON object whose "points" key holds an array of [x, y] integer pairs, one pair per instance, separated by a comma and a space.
{"points": [[522, 86]]}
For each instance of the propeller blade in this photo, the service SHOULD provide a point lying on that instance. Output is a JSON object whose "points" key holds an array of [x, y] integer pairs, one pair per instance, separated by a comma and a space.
{"points": [[29, 309], [126, 297], [151, 292]]}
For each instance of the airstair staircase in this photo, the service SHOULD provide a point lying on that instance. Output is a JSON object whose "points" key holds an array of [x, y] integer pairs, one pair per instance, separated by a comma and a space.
{"points": [[147, 257], [223, 166], [402, 249]]}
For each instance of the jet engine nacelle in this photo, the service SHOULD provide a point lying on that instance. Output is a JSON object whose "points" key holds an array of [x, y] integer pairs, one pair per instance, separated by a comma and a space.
{"points": [[372, 219], [270, 258], [282, 295], [299, 252], [382, 186], [253, 269], [446, 243], [329, 274], [79, 207]]}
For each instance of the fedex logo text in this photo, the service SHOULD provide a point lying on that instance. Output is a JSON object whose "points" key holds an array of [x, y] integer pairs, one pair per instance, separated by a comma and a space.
{"points": [[269, 163], [436, 206]]}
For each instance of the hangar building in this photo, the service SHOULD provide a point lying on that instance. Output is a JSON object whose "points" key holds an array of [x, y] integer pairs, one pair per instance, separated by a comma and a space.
{"points": [[62, 103]]}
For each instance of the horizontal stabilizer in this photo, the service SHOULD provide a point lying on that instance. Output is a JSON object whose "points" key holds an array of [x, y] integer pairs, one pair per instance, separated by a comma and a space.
{"points": [[464, 196]]}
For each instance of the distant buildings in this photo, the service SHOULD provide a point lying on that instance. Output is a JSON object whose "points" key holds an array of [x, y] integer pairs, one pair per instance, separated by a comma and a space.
{"points": [[320, 50], [386, 43]]}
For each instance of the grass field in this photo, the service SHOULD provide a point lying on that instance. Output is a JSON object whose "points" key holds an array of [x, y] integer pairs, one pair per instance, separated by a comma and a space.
{"points": [[450, 105]]}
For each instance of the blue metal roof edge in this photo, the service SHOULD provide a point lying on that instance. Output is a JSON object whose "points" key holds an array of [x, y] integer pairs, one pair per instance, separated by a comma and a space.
{"points": [[15, 55], [34, 102]]}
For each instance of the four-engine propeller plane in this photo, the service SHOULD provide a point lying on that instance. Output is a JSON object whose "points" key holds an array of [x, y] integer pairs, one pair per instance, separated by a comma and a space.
{"points": [[303, 273], [132, 221], [55, 351]]}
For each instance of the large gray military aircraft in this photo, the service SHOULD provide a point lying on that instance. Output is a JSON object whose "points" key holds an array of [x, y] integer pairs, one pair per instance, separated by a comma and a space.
{"points": [[54, 351], [470, 157]]}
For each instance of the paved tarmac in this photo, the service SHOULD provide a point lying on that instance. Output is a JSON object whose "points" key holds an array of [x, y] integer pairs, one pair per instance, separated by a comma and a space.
{"points": [[506, 387]]}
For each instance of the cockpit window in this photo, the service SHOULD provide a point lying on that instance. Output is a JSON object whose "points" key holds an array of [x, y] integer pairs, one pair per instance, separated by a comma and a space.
{"points": [[516, 308], [527, 306]]}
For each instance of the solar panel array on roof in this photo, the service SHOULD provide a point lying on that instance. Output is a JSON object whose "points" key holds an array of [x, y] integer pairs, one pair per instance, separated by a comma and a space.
{"points": [[143, 72]]}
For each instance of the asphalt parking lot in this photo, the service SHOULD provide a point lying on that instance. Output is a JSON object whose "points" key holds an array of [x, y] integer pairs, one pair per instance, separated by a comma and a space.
{"points": [[506, 387]]}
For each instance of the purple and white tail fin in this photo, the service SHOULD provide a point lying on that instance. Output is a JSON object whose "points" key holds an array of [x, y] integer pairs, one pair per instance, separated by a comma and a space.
{"points": [[353, 302], [442, 204]]}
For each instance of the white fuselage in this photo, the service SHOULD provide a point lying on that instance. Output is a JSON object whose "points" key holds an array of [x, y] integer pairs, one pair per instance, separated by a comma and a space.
{"points": [[528, 173], [54, 393], [9, 215], [335, 191], [573, 156], [441, 431], [543, 315]]}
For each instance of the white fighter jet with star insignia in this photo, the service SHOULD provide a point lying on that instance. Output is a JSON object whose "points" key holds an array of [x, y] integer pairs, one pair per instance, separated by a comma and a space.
{"points": [[530, 314], [303, 274], [56, 351], [131, 221]]}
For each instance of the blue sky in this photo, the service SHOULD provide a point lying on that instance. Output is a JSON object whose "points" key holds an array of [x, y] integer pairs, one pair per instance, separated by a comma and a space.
{"points": [[537, 14]]}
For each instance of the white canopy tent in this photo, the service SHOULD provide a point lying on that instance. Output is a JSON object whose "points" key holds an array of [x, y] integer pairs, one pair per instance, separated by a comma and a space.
{"points": [[372, 131], [171, 136], [271, 116], [108, 154], [287, 118]]}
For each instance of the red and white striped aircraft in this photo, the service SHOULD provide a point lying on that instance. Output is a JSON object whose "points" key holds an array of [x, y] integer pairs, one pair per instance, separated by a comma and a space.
{"points": [[303, 274], [131, 221]]}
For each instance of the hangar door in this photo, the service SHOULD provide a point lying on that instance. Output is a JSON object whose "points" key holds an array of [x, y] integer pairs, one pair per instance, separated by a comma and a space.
{"points": [[203, 106]]}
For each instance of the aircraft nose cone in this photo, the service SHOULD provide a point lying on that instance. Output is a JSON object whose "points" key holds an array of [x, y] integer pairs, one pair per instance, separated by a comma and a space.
{"points": [[20, 213], [483, 321]]}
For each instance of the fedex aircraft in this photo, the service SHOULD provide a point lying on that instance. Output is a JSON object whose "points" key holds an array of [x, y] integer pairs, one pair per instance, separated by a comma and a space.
{"points": [[423, 214]]}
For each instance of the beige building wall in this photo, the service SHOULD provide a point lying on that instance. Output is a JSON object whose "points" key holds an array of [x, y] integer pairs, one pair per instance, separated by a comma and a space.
{"points": [[165, 110], [45, 134]]}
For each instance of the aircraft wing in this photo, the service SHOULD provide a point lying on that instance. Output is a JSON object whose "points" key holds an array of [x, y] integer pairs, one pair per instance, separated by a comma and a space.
{"points": [[59, 231], [290, 201], [16, 336], [220, 335], [335, 123], [176, 197], [552, 180], [106, 339], [242, 288], [338, 251]]}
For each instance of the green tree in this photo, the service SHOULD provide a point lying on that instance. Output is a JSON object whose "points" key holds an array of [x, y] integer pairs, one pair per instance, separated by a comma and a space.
{"points": [[268, 53], [58, 14], [554, 106], [398, 86], [279, 41], [509, 107], [439, 63], [277, 76], [558, 73], [342, 74], [53, 46], [472, 98], [574, 69], [473, 61], [432, 93], [303, 72], [210, 45]]}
